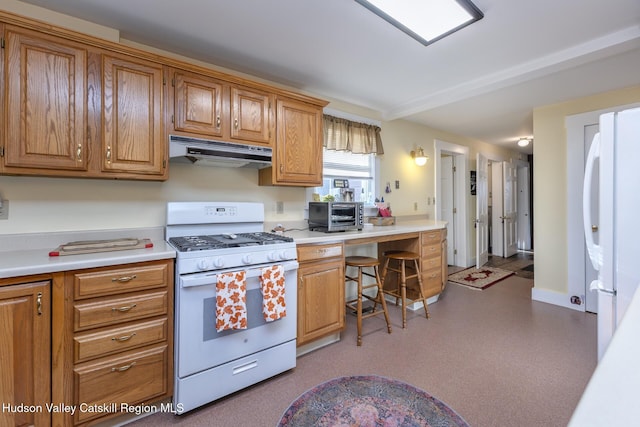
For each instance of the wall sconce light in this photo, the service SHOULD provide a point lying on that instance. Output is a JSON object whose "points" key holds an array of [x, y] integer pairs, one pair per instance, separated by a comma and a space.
{"points": [[523, 142], [419, 157]]}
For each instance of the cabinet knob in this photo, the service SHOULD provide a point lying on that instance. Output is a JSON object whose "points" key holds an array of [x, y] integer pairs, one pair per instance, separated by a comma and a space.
{"points": [[108, 154], [218, 121], [79, 153], [235, 123]]}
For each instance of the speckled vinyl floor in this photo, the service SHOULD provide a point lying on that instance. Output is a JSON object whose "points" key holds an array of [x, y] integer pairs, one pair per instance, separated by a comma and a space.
{"points": [[496, 357]]}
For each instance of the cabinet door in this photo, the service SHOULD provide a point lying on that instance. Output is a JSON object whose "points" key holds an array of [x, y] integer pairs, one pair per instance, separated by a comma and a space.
{"points": [[132, 122], [321, 309], [251, 115], [198, 106], [297, 159], [25, 352], [45, 102]]}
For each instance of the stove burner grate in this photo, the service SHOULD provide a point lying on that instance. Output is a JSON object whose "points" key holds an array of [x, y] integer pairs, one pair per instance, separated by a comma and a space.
{"points": [[222, 241]]}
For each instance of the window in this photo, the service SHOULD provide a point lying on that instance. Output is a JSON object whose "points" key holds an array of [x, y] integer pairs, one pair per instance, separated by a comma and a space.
{"points": [[358, 169]]}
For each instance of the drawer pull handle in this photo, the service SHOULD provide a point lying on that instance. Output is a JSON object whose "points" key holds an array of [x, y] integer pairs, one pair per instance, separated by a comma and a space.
{"points": [[123, 279], [123, 309], [123, 338], [124, 368], [39, 303]]}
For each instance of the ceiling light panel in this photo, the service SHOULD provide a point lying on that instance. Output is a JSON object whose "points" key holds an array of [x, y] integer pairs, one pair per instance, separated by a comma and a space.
{"points": [[425, 20]]}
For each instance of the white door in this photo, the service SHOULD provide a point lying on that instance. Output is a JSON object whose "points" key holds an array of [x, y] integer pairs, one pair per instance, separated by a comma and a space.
{"points": [[497, 209], [524, 211], [482, 211], [590, 273], [447, 199], [510, 208]]}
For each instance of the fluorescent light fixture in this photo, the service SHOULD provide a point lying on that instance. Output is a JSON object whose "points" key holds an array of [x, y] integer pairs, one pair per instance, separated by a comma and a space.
{"points": [[425, 20]]}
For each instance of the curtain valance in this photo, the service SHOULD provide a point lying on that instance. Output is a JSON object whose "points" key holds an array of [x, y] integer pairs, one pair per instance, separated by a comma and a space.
{"points": [[346, 135]]}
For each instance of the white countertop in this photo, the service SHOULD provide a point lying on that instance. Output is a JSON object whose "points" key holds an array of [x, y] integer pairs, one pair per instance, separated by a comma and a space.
{"points": [[28, 254], [302, 235], [611, 397]]}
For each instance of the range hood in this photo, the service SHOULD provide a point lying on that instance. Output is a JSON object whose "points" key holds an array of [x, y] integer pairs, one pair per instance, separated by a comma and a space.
{"points": [[205, 152]]}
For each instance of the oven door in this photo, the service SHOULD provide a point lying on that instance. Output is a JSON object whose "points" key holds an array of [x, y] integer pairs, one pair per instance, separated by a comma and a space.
{"points": [[199, 346]]}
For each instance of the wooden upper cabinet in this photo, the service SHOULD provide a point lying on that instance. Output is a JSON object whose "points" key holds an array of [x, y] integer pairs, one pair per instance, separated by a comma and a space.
{"points": [[132, 123], [198, 105], [206, 107], [251, 118], [45, 118], [297, 157]]}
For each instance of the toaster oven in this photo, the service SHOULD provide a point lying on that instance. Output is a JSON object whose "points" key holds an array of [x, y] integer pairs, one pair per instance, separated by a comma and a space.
{"points": [[336, 216]]}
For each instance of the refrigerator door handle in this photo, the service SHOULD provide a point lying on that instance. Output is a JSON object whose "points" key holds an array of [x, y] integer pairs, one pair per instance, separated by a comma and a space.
{"points": [[596, 285], [595, 251]]}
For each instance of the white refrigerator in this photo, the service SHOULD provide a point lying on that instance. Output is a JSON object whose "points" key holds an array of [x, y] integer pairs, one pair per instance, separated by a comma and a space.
{"points": [[616, 255]]}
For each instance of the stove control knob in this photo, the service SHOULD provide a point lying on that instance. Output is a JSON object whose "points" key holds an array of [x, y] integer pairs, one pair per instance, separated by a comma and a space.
{"points": [[218, 263], [203, 264], [285, 255], [246, 259], [273, 256]]}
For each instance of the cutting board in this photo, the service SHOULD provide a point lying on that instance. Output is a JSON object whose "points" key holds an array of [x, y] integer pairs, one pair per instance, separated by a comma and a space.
{"points": [[93, 246]]}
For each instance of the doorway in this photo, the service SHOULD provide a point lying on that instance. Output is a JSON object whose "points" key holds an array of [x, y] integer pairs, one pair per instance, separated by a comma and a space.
{"points": [[503, 224], [450, 199]]}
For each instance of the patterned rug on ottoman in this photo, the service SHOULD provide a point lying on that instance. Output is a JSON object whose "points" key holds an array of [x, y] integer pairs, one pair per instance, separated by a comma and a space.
{"points": [[479, 278], [368, 401]]}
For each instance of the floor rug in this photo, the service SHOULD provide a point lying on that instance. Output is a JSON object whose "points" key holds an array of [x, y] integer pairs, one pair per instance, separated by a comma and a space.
{"points": [[479, 278], [371, 401]]}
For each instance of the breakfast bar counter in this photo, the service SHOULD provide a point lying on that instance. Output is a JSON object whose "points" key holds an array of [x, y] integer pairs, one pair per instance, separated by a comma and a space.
{"points": [[321, 277], [370, 234]]}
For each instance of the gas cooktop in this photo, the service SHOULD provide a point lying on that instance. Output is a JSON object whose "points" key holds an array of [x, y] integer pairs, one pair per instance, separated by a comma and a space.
{"points": [[222, 241]]}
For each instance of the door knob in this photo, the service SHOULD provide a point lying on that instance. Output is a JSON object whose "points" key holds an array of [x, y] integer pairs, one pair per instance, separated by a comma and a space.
{"points": [[594, 228]]}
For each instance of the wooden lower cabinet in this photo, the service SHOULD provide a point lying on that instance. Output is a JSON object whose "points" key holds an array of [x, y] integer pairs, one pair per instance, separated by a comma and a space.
{"points": [[433, 260], [321, 309], [117, 341], [25, 354], [431, 246]]}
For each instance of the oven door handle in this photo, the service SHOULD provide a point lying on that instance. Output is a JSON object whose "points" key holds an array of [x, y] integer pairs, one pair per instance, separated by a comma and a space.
{"points": [[211, 278]]}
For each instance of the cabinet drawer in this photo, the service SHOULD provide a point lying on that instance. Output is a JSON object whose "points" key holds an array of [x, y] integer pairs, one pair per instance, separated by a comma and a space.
{"points": [[316, 252], [431, 251], [112, 281], [131, 378], [91, 345], [431, 237], [431, 263], [109, 311]]}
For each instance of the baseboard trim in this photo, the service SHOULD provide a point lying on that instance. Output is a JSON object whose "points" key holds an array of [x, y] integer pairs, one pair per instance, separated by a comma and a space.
{"points": [[555, 298]]}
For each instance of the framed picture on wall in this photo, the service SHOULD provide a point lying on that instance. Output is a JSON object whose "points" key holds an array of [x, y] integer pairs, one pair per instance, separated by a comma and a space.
{"points": [[473, 183]]}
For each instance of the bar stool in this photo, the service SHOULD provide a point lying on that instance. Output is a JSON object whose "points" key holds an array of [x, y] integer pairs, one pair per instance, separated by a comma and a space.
{"points": [[361, 262], [404, 259]]}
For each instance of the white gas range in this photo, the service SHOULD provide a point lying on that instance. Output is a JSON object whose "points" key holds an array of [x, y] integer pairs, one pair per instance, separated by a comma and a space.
{"points": [[211, 238]]}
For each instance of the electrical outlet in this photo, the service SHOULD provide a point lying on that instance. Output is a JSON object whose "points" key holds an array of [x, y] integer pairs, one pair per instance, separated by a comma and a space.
{"points": [[415, 206], [279, 207], [4, 209]]}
